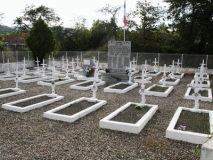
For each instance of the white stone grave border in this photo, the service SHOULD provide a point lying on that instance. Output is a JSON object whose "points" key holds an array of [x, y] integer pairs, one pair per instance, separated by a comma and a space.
{"points": [[205, 78], [11, 106], [78, 87], [120, 91], [187, 136], [71, 118], [139, 80], [179, 76], [136, 128], [65, 81], [202, 98], [169, 82], [160, 94], [32, 80], [202, 85], [153, 74], [8, 78], [17, 91], [83, 78]]}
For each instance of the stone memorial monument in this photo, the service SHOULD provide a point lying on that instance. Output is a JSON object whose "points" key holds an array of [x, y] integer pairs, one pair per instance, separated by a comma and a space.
{"points": [[119, 53]]}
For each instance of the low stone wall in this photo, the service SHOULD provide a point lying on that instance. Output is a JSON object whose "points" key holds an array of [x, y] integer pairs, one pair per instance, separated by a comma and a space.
{"points": [[207, 150]]}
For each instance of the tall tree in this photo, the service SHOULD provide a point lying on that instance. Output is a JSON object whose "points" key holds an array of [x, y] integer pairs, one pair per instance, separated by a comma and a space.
{"points": [[149, 16], [31, 15], [41, 40], [192, 19], [113, 12]]}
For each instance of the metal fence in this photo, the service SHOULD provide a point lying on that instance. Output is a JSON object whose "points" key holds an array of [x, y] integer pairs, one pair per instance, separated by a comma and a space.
{"points": [[187, 60]]}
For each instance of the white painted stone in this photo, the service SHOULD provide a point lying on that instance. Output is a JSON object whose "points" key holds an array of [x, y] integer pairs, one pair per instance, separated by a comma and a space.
{"points": [[187, 136], [137, 79], [177, 80], [153, 74], [17, 91], [11, 106], [207, 150], [202, 98], [136, 128], [202, 85], [71, 118], [160, 94], [179, 75], [120, 91], [78, 86], [34, 79], [64, 81]]}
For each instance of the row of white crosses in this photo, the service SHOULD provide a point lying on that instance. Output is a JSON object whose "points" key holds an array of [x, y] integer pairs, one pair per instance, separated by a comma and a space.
{"points": [[164, 77], [155, 65], [203, 68], [143, 91], [94, 87], [197, 87], [178, 66], [172, 70]]}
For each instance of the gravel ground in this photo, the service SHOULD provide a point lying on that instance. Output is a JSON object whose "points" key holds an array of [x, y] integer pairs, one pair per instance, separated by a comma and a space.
{"points": [[31, 136]]}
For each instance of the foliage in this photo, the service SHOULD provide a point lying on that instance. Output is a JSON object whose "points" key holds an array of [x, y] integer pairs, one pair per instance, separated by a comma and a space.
{"points": [[192, 20], [41, 40], [149, 17], [31, 15]]}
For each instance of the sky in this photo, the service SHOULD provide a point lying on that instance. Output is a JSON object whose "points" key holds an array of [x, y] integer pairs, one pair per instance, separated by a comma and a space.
{"points": [[68, 10]]}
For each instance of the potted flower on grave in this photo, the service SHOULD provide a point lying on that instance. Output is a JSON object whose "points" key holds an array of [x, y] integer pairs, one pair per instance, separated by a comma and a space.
{"points": [[89, 71]]}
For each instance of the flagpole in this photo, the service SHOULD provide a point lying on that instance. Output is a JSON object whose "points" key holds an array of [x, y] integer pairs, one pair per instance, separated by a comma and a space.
{"points": [[124, 33], [124, 20]]}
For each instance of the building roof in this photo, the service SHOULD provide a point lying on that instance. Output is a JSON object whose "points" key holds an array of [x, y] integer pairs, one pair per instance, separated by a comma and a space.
{"points": [[14, 39]]}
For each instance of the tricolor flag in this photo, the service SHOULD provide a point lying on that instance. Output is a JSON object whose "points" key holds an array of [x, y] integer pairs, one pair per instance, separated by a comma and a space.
{"points": [[125, 22]]}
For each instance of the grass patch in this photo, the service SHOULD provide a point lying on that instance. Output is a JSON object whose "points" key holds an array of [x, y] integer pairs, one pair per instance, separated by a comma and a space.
{"points": [[158, 89]]}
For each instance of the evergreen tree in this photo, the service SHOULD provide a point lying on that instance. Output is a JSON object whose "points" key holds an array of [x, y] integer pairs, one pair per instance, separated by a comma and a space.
{"points": [[41, 40]]}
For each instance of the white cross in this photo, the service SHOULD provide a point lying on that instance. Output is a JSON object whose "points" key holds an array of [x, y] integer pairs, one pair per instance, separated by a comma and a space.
{"points": [[43, 69], [62, 61], [24, 68], [155, 65], [143, 91], [164, 76], [37, 64]]}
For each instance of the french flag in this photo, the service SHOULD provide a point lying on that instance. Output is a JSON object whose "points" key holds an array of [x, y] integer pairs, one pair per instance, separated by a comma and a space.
{"points": [[124, 20]]}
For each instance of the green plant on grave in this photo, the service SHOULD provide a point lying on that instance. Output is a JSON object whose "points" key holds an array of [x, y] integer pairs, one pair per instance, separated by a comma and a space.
{"points": [[197, 149], [138, 107], [59, 79], [156, 144]]}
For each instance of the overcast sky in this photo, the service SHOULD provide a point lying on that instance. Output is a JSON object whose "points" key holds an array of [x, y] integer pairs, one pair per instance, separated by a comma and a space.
{"points": [[68, 10]]}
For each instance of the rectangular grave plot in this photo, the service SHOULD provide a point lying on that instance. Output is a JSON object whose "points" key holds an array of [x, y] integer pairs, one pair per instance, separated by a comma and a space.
{"points": [[32, 101], [76, 107], [157, 88], [194, 122], [121, 86], [7, 91], [74, 110], [132, 114], [121, 121], [198, 125], [85, 84]]}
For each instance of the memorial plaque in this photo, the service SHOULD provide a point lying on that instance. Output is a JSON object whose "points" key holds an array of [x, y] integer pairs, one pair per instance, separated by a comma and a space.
{"points": [[119, 53]]}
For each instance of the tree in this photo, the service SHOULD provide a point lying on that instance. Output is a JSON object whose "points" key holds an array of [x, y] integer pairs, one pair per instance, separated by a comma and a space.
{"points": [[149, 16], [192, 20], [41, 40], [31, 15], [113, 26]]}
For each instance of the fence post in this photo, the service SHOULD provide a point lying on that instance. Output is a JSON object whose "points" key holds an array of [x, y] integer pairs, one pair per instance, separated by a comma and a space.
{"points": [[158, 59], [3, 57], [28, 54], [181, 61], [206, 60], [16, 56]]}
